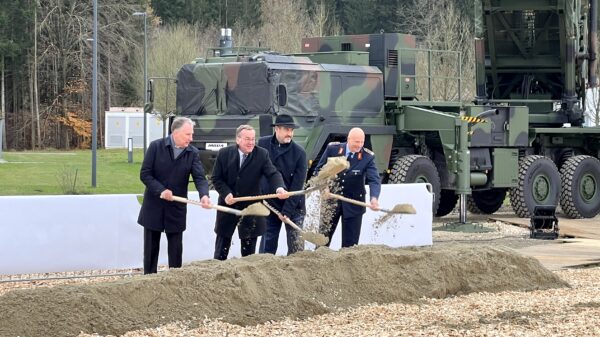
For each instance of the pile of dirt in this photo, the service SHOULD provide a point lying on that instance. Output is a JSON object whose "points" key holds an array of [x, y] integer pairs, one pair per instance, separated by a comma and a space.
{"points": [[260, 288]]}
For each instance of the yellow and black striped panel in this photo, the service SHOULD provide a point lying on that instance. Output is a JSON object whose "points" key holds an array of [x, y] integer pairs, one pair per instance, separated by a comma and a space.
{"points": [[472, 119]]}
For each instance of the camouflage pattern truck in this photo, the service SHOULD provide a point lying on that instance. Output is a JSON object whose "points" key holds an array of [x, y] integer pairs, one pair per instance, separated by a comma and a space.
{"points": [[522, 136]]}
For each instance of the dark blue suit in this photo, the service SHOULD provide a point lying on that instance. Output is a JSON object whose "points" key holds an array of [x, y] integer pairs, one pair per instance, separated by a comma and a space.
{"points": [[290, 161], [352, 182], [229, 177]]}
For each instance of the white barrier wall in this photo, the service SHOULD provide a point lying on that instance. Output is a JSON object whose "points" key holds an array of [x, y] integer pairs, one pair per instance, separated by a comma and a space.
{"points": [[67, 233]]}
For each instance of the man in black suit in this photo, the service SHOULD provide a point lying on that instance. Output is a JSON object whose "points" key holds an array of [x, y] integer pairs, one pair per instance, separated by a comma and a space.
{"points": [[362, 170], [168, 164], [237, 173]]}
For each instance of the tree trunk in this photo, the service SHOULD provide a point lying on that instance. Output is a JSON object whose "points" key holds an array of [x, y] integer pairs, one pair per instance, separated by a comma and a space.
{"points": [[108, 84], [62, 85], [31, 107], [36, 122], [13, 110], [2, 108]]}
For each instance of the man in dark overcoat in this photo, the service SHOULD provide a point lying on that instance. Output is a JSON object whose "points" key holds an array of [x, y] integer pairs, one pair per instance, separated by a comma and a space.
{"points": [[290, 160], [352, 182], [237, 173], [166, 169]]}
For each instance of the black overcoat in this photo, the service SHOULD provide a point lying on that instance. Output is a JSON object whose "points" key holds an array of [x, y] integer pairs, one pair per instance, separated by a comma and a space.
{"points": [[161, 171], [228, 177], [290, 160]]}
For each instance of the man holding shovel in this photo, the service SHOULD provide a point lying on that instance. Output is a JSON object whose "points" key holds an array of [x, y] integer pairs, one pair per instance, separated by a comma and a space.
{"points": [[290, 160], [362, 170], [166, 169], [237, 173]]}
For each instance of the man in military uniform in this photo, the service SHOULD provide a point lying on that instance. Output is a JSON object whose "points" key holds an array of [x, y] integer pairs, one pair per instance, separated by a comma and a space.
{"points": [[352, 181]]}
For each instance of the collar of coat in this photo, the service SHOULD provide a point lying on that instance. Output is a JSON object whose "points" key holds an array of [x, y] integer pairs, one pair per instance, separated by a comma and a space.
{"points": [[169, 142], [275, 142], [342, 151]]}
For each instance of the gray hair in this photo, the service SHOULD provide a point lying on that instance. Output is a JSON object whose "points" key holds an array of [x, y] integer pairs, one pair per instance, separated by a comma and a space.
{"points": [[178, 122], [242, 128]]}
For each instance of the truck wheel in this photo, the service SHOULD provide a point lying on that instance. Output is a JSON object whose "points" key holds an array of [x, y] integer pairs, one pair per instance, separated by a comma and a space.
{"points": [[486, 202], [539, 184], [580, 194], [448, 199], [417, 169]]}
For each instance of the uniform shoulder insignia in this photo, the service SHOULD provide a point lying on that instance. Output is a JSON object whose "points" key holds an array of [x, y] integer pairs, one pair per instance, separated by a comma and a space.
{"points": [[369, 151]]}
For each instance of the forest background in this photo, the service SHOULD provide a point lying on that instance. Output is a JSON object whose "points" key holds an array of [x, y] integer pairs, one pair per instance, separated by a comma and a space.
{"points": [[46, 52]]}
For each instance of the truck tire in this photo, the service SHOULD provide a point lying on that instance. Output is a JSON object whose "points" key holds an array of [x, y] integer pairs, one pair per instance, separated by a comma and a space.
{"points": [[486, 202], [417, 169], [448, 199], [539, 184], [580, 193]]}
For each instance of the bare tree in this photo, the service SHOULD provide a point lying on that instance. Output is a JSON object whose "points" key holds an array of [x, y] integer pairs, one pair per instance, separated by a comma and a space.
{"points": [[285, 23], [2, 108], [169, 48], [62, 61], [324, 20], [441, 27]]}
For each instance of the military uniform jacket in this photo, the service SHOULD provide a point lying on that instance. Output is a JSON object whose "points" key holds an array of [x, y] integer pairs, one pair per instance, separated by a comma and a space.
{"points": [[290, 160], [229, 177], [160, 171], [362, 171]]}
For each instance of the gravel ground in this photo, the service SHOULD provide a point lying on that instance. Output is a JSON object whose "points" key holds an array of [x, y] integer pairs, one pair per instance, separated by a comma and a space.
{"points": [[571, 311]]}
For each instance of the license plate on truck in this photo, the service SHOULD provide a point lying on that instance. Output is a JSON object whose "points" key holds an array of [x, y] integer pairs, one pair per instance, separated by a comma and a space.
{"points": [[215, 146]]}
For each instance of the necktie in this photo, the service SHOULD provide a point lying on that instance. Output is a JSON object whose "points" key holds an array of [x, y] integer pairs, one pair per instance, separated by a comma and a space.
{"points": [[350, 155], [244, 157]]}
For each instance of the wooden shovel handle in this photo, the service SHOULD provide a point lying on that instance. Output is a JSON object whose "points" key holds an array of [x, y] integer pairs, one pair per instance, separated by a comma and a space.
{"points": [[273, 196], [217, 207], [346, 199], [361, 203], [286, 220]]}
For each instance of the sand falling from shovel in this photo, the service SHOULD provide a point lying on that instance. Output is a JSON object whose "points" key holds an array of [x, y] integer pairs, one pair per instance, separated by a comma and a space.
{"points": [[394, 214], [255, 209]]}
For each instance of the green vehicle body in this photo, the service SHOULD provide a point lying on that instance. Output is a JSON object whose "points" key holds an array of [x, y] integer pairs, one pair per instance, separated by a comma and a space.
{"points": [[534, 61]]}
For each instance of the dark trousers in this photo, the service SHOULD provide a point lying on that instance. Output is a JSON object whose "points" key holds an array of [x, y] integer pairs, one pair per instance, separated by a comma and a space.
{"points": [[270, 239], [223, 243], [152, 246], [350, 228]]}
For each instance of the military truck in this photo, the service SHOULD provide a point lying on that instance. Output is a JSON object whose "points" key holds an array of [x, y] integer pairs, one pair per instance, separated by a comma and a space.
{"points": [[521, 136]]}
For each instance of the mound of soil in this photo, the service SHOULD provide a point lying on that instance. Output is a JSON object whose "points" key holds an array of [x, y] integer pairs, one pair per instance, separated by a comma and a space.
{"points": [[260, 288]]}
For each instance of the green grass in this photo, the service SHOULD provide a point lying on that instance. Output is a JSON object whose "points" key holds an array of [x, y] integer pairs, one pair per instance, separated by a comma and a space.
{"points": [[53, 172]]}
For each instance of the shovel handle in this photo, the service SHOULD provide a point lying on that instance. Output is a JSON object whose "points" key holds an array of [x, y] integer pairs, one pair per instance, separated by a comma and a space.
{"points": [[361, 203], [217, 207], [273, 195], [286, 220], [346, 199]]}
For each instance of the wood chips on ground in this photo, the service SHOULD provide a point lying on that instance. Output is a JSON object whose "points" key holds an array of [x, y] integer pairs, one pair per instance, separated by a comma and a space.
{"points": [[451, 290]]}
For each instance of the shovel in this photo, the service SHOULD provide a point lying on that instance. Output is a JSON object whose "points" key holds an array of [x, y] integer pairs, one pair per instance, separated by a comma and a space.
{"points": [[333, 166], [397, 209], [315, 238], [255, 209], [275, 195]]}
